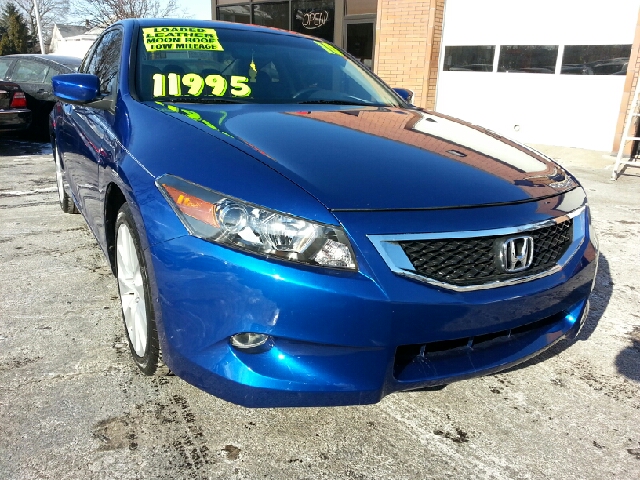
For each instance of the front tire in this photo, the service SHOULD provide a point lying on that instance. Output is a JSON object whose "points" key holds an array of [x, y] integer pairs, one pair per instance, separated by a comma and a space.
{"points": [[133, 287], [66, 202]]}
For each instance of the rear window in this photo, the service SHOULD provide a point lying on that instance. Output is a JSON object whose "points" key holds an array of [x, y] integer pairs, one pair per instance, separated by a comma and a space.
{"points": [[193, 64]]}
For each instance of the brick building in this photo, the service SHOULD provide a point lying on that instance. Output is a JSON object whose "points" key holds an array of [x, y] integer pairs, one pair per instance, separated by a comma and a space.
{"points": [[551, 72]]}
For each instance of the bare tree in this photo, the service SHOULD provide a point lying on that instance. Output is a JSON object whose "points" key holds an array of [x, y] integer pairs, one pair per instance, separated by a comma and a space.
{"points": [[102, 13], [51, 12]]}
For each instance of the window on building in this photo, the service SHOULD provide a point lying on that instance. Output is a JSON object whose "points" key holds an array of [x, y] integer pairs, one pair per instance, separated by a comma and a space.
{"points": [[361, 7], [528, 58], [475, 58], [595, 59], [234, 13], [313, 17], [360, 41], [274, 14]]}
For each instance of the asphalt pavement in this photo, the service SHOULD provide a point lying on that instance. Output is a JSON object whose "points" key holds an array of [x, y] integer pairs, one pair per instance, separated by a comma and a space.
{"points": [[72, 405]]}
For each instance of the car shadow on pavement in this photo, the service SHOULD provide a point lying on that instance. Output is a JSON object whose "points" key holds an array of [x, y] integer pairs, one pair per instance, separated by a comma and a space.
{"points": [[628, 360], [598, 300], [16, 145]]}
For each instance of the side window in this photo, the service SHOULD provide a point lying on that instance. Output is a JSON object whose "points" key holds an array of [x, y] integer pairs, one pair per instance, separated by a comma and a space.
{"points": [[52, 73], [87, 57], [29, 72], [105, 61], [5, 63]]}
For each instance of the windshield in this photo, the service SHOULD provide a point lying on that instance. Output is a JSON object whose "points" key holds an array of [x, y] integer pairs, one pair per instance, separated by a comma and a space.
{"points": [[207, 65]]}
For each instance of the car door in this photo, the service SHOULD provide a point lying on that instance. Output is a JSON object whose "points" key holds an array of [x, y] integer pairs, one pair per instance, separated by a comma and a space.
{"points": [[30, 74], [90, 131], [69, 141]]}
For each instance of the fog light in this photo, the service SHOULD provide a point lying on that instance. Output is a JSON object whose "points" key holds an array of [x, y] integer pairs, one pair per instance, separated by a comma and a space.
{"points": [[249, 340]]}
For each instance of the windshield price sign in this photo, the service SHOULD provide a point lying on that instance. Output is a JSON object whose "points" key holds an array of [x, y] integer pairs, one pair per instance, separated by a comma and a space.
{"points": [[180, 38]]}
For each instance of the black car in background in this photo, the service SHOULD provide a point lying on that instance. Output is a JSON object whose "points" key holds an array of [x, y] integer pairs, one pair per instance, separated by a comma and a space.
{"points": [[14, 114], [33, 72]]}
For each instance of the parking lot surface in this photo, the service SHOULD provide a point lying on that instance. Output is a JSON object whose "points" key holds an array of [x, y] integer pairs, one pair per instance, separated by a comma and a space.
{"points": [[73, 406]]}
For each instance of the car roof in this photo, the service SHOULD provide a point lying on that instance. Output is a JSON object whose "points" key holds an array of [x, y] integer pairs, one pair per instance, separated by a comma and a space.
{"points": [[182, 22], [66, 61]]}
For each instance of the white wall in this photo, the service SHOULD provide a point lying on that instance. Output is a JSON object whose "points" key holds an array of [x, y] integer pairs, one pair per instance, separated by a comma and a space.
{"points": [[569, 110], [75, 46]]}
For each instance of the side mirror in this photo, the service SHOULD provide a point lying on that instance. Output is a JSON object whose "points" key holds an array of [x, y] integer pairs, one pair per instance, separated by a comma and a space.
{"points": [[405, 94], [77, 88], [80, 89]]}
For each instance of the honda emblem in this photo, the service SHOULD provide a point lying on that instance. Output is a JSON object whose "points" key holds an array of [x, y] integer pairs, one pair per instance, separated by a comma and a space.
{"points": [[516, 254]]}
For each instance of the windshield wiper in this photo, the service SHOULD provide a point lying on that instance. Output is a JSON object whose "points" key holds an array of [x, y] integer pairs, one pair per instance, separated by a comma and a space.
{"points": [[339, 102]]}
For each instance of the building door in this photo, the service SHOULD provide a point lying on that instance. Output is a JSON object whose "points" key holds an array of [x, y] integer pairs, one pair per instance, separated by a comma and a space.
{"points": [[360, 39]]}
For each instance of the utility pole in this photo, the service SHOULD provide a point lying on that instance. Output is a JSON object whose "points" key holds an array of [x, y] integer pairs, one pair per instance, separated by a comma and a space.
{"points": [[35, 4]]}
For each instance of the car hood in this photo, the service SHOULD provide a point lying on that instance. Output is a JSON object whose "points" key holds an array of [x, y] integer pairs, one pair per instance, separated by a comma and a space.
{"points": [[374, 158]]}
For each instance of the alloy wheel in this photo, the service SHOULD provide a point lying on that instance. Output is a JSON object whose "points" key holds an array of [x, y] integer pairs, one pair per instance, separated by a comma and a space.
{"points": [[59, 179], [131, 287]]}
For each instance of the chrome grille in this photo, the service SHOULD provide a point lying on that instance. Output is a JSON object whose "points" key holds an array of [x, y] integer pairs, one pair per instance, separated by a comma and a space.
{"points": [[474, 261]]}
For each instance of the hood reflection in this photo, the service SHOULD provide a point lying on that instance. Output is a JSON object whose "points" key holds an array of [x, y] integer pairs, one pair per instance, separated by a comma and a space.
{"points": [[457, 140]]}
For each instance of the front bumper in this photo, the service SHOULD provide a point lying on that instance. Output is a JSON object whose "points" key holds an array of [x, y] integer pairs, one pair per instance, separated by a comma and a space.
{"points": [[342, 338]]}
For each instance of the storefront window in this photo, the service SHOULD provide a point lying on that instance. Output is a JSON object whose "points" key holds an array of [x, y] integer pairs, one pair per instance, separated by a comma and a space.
{"points": [[272, 14], [313, 17], [595, 59], [361, 7], [528, 58], [360, 42], [462, 58], [234, 13]]}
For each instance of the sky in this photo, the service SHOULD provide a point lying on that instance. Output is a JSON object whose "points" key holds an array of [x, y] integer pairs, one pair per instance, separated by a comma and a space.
{"points": [[197, 9]]}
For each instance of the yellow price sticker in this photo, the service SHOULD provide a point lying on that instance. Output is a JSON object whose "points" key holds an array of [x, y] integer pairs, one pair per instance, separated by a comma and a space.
{"points": [[180, 38], [329, 48], [171, 84]]}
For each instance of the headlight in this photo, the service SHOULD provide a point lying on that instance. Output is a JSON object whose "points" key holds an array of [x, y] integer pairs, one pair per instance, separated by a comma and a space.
{"points": [[219, 218]]}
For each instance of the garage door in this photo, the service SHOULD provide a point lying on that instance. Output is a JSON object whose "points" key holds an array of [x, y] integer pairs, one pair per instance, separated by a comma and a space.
{"points": [[549, 72]]}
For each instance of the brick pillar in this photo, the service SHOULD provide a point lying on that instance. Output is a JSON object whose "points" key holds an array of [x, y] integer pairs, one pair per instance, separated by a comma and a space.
{"points": [[630, 85], [408, 35]]}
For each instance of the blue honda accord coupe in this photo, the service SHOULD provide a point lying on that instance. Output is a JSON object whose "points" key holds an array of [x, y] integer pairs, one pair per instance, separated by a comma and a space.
{"points": [[286, 230]]}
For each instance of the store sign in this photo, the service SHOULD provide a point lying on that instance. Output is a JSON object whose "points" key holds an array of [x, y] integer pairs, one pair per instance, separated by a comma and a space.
{"points": [[312, 19]]}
